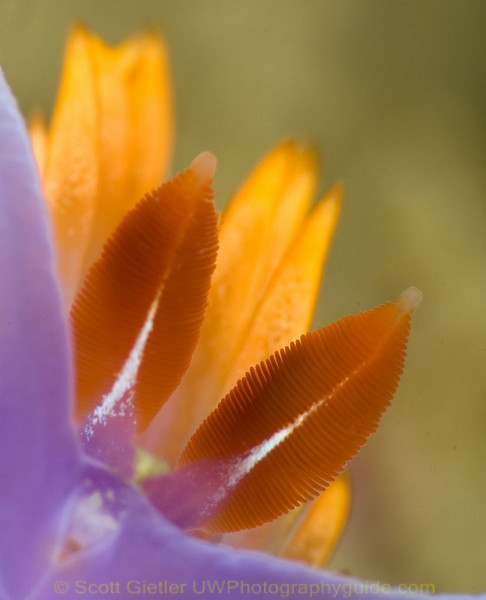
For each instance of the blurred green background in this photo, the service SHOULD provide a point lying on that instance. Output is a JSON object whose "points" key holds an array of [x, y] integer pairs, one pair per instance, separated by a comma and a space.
{"points": [[394, 93]]}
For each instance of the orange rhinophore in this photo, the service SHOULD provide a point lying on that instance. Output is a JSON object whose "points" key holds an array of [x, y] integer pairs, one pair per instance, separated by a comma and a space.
{"points": [[137, 317], [288, 428]]}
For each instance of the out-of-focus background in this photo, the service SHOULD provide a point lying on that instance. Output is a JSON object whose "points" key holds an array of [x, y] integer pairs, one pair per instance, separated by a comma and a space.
{"points": [[394, 93]]}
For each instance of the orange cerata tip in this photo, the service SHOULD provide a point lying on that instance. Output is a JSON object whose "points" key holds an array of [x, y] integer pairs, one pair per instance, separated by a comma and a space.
{"points": [[109, 143]]}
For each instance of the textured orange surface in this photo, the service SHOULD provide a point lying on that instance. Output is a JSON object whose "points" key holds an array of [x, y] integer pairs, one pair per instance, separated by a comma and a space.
{"points": [[164, 252], [288, 428]]}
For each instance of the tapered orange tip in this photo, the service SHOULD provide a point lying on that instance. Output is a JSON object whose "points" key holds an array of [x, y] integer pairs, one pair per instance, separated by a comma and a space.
{"points": [[409, 300], [204, 167]]}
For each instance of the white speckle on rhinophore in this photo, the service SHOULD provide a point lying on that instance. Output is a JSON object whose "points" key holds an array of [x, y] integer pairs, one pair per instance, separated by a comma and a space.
{"points": [[119, 400], [249, 461]]}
